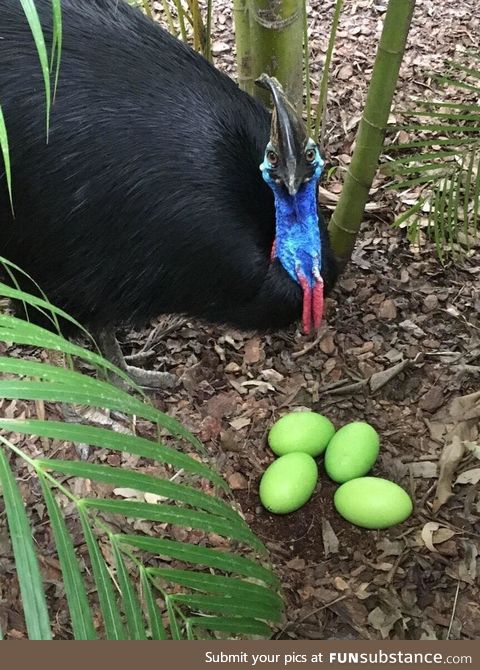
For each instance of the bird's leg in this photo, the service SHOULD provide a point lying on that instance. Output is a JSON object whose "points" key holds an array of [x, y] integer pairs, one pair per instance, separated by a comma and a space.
{"points": [[152, 379]]}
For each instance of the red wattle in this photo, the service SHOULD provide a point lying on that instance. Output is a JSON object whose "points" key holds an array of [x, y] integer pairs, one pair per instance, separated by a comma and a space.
{"points": [[307, 303], [317, 306], [312, 312], [273, 252]]}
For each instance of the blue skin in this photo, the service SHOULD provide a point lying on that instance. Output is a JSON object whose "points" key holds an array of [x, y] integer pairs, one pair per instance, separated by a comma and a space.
{"points": [[297, 242]]}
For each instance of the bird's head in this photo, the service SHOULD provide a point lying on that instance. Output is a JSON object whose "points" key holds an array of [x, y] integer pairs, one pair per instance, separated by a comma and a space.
{"points": [[292, 166], [291, 157]]}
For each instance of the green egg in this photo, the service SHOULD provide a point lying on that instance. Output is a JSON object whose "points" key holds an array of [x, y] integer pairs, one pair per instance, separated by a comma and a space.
{"points": [[288, 483], [306, 432], [371, 502], [352, 452]]}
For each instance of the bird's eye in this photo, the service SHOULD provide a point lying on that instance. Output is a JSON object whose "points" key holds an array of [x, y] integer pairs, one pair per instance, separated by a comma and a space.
{"points": [[272, 158], [310, 155]]}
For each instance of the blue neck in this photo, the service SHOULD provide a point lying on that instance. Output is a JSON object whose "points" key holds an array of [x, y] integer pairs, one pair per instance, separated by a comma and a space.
{"points": [[297, 241]]}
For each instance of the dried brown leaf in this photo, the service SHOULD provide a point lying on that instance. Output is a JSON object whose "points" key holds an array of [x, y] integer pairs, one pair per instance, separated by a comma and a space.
{"points": [[451, 456], [433, 533], [469, 477], [330, 540], [253, 351]]}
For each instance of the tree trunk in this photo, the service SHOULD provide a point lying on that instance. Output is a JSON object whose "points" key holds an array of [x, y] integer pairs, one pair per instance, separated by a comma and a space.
{"points": [[347, 217]]}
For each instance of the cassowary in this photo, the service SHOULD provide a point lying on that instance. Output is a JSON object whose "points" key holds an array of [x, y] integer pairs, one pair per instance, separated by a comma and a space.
{"points": [[163, 188]]}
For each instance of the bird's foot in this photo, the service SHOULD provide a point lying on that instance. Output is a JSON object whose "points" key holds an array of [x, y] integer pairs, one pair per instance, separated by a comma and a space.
{"points": [[148, 379], [140, 356], [151, 379]]}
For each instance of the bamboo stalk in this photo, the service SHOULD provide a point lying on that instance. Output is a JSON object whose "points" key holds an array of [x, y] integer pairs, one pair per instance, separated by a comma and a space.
{"points": [[169, 18], [347, 217], [208, 31], [243, 44], [276, 32], [306, 62], [322, 100]]}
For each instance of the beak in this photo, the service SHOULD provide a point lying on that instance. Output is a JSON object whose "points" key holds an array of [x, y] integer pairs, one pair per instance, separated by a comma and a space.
{"points": [[292, 184], [288, 136]]}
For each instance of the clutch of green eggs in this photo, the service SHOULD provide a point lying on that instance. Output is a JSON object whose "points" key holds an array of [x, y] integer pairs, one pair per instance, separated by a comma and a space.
{"points": [[350, 453]]}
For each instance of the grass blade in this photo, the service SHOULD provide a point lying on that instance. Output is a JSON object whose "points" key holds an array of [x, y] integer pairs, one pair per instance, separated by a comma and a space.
{"points": [[174, 627]]}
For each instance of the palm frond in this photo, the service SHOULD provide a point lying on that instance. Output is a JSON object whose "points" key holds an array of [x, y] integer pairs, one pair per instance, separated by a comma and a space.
{"points": [[110, 522], [438, 170]]}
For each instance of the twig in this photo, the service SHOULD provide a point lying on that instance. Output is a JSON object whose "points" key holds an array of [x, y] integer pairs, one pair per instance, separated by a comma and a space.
{"points": [[356, 386], [396, 565], [379, 379], [453, 610], [297, 622], [308, 347]]}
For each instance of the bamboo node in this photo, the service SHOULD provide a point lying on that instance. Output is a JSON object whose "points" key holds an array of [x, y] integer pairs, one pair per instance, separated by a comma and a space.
{"points": [[357, 181], [337, 225], [267, 19], [373, 125]]}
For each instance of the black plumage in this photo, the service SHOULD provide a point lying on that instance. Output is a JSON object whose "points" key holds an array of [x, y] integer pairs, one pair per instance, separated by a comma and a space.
{"points": [[148, 197]]}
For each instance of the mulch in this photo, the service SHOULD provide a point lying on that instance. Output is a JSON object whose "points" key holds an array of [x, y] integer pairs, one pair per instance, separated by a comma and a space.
{"points": [[400, 348]]}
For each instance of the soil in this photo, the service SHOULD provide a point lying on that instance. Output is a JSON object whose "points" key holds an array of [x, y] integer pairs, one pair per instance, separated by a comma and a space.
{"points": [[400, 348]]}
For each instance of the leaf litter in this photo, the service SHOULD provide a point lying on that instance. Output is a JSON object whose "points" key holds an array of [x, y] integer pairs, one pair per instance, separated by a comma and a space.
{"points": [[400, 350]]}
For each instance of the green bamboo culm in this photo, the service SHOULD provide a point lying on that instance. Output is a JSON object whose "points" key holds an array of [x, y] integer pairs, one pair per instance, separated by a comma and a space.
{"points": [[276, 37], [347, 217], [245, 77], [322, 100]]}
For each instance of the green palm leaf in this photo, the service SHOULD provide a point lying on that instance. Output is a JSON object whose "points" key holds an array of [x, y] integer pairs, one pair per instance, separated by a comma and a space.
{"points": [[81, 616], [113, 571], [28, 570], [134, 596], [441, 173], [6, 156], [34, 22]]}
